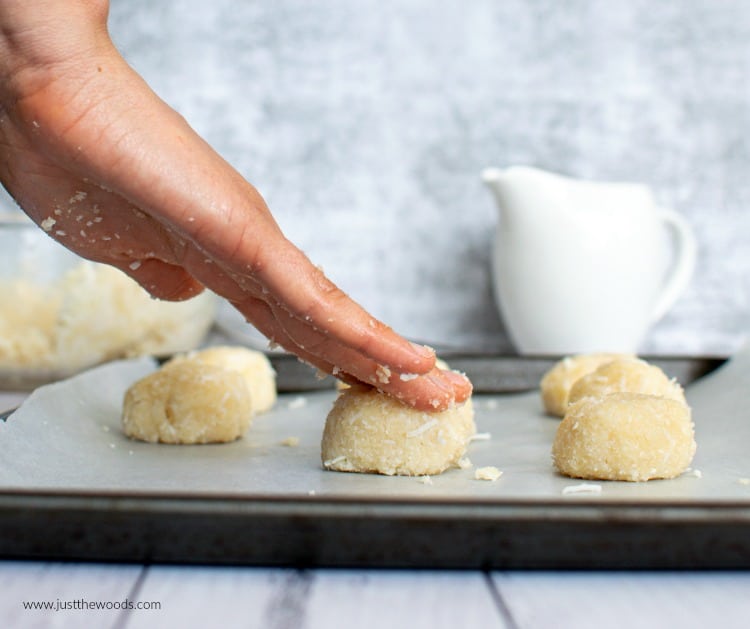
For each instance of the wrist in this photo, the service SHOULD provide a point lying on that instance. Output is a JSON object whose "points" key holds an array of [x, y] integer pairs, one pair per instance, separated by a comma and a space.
{"points": [[46, 34]]}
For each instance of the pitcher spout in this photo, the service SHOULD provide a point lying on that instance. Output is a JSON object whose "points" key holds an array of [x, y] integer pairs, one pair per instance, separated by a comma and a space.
{"points": [[491, 176], [531, 192], [494, 179]]}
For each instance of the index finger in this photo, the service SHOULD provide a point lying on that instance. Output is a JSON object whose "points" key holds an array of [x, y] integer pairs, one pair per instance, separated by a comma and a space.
{"points": [[304, 290]]}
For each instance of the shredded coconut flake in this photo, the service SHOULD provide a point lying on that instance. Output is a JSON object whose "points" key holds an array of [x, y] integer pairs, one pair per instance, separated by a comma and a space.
{"points": [[406, 377], [480, 436], [134, 266], [334, 461], [695, 473], [422, 429], [298, 402], [743, 481], [425, 480], [291, 442], [583, 488], [489, 473], [48, 223], [464, 463], [383, 374]]}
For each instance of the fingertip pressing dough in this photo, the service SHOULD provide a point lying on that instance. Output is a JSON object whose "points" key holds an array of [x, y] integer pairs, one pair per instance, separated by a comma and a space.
{"points": [[632, 375], [624, 436], [439, 363], [188, 402], [254, 367], [556, 383], [370, 431]]}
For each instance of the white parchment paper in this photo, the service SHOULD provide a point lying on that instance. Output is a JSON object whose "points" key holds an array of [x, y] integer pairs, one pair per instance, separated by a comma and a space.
{"points": [[67, 436]]}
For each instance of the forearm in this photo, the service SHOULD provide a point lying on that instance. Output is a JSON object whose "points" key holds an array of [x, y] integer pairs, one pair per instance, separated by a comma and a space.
{"points": [[72, 85]]}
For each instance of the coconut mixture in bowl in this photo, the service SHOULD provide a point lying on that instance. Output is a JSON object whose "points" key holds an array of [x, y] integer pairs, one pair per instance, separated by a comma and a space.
{"points": [[60, 314]]}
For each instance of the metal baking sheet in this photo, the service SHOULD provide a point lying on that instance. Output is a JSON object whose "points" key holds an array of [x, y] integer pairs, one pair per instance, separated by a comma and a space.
{"points": [[490, 373], [73, 487]]}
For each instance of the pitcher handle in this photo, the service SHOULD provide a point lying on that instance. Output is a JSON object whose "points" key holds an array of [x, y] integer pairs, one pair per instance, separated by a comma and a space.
{"points": [[683, 265]]}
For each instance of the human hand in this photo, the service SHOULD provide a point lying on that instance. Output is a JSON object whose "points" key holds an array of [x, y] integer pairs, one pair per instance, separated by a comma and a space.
{"points": [[113, 173]]}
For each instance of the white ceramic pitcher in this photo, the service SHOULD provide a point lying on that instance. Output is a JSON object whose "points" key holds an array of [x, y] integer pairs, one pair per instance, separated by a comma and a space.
{"points": [[584, 266]]}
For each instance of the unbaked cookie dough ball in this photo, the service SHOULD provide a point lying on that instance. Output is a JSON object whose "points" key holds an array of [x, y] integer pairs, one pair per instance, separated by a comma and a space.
{"points": [[624, 436], [369, 431], [632, 375], [254, 367], [556, 384], [188, 402]]}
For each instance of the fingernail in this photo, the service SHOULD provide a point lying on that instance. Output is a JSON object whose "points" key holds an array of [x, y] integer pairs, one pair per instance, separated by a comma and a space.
{"points": [[453, 376], [423, 350], [458, 381], [441, 383]]}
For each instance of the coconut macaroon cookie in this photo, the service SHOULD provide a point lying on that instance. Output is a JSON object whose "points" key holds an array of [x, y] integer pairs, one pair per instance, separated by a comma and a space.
{"points": [[630, 375], [370, 431], [556, 383], [254, 367], [624, 436], [188, 402]]}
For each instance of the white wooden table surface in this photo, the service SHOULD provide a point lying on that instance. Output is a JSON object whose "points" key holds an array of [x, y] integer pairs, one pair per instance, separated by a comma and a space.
{"points": [[189, 596], [212, 596]]}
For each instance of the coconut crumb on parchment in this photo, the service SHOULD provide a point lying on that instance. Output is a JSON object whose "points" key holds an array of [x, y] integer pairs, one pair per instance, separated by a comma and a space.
{"points": [[298, 402], [583, 488], [489, 473]]}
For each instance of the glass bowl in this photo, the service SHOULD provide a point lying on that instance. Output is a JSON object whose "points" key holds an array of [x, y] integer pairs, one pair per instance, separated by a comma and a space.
{"points": [[61, 314]]}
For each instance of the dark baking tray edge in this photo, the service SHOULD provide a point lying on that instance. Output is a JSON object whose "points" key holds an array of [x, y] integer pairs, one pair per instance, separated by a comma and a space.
{"points": [[320, 532], [493, 373]]}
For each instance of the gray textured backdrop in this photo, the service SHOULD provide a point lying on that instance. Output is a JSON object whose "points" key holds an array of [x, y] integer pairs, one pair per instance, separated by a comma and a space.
{"points": [[365, 125]]}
